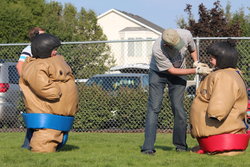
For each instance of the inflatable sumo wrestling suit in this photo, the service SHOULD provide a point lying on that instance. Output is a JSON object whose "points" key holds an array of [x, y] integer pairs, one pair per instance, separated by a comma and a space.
{"points": [[218, 112], [215, 118], [50, 96]]}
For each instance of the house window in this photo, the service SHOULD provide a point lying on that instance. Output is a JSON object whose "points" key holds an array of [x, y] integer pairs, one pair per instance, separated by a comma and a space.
{"points": [[131, 46], [149, 45], [134, 48], [138, 48]]}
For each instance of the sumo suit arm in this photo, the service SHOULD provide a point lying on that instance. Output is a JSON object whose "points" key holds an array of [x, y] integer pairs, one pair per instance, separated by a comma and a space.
{"points": [[42, 85], [222, 97]]}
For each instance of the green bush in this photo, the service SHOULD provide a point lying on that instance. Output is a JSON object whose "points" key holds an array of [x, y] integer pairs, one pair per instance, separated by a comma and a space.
{"points": [[94, 109], [130, 107], [124, 109], [165, 120]]}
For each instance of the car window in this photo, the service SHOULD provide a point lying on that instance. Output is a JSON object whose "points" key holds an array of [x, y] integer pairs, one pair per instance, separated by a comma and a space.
{"points": [[0, 73], [13, 75], [145, 81], [115, 82]]}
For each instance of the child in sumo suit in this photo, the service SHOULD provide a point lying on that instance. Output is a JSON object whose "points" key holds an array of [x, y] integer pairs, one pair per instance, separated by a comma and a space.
{"points": [[49, 87], [219, 108]]}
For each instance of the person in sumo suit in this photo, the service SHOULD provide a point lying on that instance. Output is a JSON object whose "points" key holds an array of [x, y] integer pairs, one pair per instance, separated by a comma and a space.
{"points": [[219, 109], [49, 88]]}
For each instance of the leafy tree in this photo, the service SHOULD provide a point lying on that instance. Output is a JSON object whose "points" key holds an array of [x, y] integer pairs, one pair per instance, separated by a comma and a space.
{"points": [[219, 23], [18, 16], [243, 20], [51, 18], [69, 23], [228, 24], [91, 56], [242, 45], [205, 26]]}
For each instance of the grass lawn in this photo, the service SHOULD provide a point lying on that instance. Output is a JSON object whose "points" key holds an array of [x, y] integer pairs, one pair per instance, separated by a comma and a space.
{"points": [[111, 150]]}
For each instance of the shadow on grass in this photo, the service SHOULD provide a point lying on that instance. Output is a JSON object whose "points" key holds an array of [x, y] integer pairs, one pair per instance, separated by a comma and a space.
{"points": [[165, 148], [68, 148]]}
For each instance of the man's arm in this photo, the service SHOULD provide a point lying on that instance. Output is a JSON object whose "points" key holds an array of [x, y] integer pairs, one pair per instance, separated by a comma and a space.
{"points": [[180, 71], [194, 55], [196, 62], [19, 67], [26, 52], [203, 70]]}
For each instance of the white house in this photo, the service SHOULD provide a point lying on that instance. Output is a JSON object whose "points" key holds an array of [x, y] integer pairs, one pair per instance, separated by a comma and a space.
{"points": [[118, 25]]}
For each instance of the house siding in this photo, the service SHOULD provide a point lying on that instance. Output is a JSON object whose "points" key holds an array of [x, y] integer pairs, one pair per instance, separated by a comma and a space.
{"points": [[118, 26]]}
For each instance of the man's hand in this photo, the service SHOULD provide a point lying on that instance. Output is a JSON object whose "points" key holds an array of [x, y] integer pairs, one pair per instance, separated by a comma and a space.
{"points": [[203, 70], [199, 64]]}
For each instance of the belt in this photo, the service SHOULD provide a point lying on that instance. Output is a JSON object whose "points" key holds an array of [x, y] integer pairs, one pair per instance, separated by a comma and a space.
{"points": [[46, 121]]}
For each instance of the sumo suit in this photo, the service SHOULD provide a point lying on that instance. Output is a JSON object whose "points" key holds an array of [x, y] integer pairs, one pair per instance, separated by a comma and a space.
{"points": [[49, 87], [220, 105]]}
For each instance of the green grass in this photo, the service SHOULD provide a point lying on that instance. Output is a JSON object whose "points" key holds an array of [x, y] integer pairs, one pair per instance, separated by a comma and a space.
{"points": [[111, 150]]}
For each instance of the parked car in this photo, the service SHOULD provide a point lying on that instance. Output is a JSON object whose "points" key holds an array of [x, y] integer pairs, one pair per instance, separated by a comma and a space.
{"points": [[144, 68], [112, 82], [131, 68], [248, 93], [248, 107], [9, 93], [81, 80]]}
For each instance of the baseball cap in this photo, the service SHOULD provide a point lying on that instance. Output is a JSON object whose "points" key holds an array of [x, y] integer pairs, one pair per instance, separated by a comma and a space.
{"points": [[172, 38]]}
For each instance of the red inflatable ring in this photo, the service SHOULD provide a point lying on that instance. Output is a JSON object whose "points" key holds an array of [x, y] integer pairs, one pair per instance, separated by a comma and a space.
{"points": [[223, 142]]}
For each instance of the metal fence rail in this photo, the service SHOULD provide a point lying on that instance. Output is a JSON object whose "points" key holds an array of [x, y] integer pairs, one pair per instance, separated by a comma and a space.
{"points": [[111, 102]]}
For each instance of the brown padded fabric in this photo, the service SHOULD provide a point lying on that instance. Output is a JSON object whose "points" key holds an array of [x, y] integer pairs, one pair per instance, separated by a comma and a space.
{"points": [[45, 140]]}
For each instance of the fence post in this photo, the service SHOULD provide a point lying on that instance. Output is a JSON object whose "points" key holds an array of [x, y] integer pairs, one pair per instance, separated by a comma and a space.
{"points": [[197, 79]]}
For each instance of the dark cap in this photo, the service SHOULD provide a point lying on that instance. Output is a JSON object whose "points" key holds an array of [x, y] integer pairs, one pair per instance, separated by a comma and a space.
{"points": [[43, 44]]}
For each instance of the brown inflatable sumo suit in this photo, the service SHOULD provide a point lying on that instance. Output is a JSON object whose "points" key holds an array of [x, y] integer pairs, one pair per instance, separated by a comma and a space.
{"points": [[49, 87]]}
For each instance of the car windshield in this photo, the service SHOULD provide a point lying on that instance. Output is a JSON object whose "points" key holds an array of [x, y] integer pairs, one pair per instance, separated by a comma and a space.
{"points": [[13, 75], [115, 82]]}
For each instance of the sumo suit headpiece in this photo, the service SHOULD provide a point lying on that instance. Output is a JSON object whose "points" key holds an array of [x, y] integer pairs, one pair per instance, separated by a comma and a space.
{"points": [[43, 44]]}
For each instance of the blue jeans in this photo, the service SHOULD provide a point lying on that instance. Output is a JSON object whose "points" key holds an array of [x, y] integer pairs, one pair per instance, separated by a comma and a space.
{"points": [[176, 89]]}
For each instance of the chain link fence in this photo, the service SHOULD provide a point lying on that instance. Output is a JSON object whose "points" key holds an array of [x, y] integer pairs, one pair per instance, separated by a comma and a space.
{"points": [[116, 99]]}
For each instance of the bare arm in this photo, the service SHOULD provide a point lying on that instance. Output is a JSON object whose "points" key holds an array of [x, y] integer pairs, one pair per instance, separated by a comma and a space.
{"points": [[180, 71], [19, 67], [194, 55]]}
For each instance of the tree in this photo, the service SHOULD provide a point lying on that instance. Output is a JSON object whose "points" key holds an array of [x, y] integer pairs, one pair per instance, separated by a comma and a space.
{"points": [[205, 26], [244, 21], [89, 56], [217, 23], [18, 16]]}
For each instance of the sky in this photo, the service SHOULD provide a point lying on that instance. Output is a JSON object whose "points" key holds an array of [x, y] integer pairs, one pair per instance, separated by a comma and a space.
{"points": [[164, 13]]}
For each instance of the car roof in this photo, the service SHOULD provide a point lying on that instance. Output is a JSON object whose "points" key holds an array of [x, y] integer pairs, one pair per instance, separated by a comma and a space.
{"points": [[8, 63], [132, 68], [5, 76], [7, 60], [120, 74]]}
